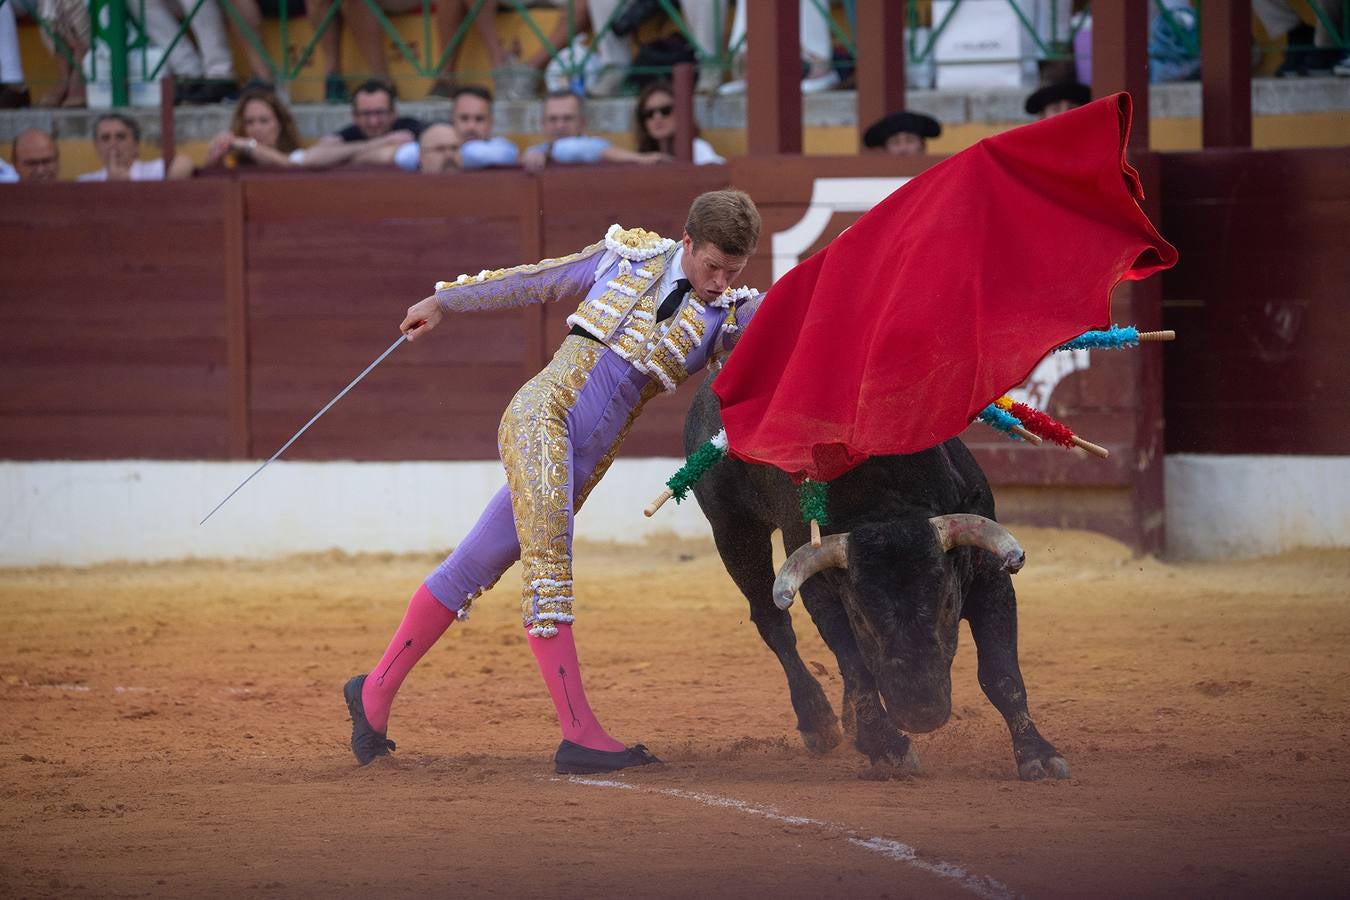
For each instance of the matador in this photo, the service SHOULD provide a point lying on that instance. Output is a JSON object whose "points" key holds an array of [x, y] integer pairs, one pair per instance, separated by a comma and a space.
{"points": [[651, 312]]}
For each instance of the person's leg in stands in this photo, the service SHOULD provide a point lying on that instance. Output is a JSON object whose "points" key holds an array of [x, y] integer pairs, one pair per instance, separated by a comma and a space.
{"points": [[162, 21], [13, 87], [208, 30], [613, 51], [330, 46], [369, 35], [449, 17], [248, 29], [561, 35], [707, 22]]}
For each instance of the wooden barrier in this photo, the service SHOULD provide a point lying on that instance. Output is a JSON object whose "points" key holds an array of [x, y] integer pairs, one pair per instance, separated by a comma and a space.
{"points": [[1259, 300], [112, 325], [210, 319]]}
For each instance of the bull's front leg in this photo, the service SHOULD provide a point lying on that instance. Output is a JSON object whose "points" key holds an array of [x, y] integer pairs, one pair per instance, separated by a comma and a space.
{"points": [[875, 735], [748, 556], [991, 608]]}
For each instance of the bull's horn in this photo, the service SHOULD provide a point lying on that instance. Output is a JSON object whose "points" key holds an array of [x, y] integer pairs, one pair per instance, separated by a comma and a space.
{"points": [[965, 530], [806, 561]]}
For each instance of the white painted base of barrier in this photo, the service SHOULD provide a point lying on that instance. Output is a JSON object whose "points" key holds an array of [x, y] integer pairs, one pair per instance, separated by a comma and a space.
{"points": [[1222, 507], [78, 513]]}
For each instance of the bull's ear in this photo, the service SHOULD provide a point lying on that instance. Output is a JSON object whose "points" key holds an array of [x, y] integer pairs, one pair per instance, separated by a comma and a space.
{"points": [[806, 561], [965, 530]]}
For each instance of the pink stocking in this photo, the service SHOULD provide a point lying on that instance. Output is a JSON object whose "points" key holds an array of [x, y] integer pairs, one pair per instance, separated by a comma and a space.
{"points": [[557, 658], [424, 622]]}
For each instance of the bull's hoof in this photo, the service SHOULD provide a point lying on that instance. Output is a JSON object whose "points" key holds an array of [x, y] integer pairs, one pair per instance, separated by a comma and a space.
{"points": [[823, 740], [1036, 770], [887, 767]]}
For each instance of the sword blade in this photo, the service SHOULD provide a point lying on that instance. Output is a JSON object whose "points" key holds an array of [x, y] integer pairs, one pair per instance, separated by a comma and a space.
{"points": [[317, 416]]}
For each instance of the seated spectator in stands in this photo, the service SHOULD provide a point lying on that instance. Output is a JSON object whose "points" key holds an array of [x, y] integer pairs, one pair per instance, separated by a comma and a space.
{"points": [[204, 65], [438, 149], [65, 33], [117, 141], [376, 128], [902, 133], [564, 115], [472, 118], [1056, 98], [654, 125], [37, 158], [13, 86], [262, 133]]}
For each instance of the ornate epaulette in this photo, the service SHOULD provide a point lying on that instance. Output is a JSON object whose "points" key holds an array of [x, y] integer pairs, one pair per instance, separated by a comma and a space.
{"points": [[636, 244], [732, 296]]}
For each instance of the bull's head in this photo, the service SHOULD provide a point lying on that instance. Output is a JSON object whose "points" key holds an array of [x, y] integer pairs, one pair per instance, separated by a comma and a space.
{"points": [[903, 599]]}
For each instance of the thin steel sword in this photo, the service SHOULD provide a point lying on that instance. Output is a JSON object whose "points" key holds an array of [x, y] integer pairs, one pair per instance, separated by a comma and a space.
{"points": [[392, 348]]}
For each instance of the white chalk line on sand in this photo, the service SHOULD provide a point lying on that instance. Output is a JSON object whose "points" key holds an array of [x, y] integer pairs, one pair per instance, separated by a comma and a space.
{"points": [[979, 885]]}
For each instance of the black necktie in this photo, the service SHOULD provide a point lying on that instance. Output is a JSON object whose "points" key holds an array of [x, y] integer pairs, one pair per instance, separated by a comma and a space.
{"points": [[672, 301]]}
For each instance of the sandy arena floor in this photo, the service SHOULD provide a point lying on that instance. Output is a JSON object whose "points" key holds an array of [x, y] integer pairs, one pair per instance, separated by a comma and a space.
{"points": [[178, 731]]}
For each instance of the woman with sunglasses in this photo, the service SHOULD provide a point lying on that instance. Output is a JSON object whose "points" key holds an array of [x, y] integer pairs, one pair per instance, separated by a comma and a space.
{"points": [[654, 125]]}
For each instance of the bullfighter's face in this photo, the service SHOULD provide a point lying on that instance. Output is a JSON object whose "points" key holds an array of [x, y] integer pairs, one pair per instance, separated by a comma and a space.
{"points": [[709, 269], [902, 601]]}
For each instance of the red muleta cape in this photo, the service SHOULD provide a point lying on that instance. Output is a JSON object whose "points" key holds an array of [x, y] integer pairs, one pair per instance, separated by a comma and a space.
{"points": [[942, 297]]}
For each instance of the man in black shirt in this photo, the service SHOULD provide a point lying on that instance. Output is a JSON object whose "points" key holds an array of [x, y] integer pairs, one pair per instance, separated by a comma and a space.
{"points": [[376, 130]]}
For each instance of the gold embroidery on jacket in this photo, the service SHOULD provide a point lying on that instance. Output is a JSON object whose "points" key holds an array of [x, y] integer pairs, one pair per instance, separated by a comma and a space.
{"points": [[626, 294]]}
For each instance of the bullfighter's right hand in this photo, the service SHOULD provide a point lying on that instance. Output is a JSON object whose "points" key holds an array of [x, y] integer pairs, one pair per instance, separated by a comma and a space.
{"points": [[423, 316]]}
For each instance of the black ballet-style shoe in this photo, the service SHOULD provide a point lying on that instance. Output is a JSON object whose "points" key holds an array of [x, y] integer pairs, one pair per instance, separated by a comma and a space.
{"points": [[367, 743], [574, 759]]}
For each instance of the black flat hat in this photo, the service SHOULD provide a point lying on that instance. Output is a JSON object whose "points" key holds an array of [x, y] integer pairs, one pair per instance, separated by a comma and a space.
{"points": [[912, 122], [1075, 92]]}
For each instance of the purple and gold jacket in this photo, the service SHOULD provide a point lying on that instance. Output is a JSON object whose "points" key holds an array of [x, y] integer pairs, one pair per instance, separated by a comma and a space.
{"points": [[615, 282]]}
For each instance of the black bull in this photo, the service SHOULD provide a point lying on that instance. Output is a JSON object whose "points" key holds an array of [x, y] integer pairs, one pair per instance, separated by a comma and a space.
{"points": [[904, 560]]}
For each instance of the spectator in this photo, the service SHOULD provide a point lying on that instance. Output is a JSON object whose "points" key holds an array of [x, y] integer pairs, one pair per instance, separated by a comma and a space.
{"points": [[262, 133], [1056, 98], [564, 115], [1311, 46], [206, 68], [37, 158], [66, 36], [1173, 42], [654, 125], [438, 149], [817, 50], [449, 16], [902, 133], [117, 141], [472, 118], [252, 12], [375, 135], [370, 35], [13, 86]]}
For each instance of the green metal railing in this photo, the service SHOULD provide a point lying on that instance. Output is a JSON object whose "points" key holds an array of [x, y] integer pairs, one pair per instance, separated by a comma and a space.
{"points": [[114, 24]]}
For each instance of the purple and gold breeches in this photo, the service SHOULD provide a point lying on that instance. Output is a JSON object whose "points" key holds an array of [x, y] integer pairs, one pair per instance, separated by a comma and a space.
{"points": [[557, 438]]}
